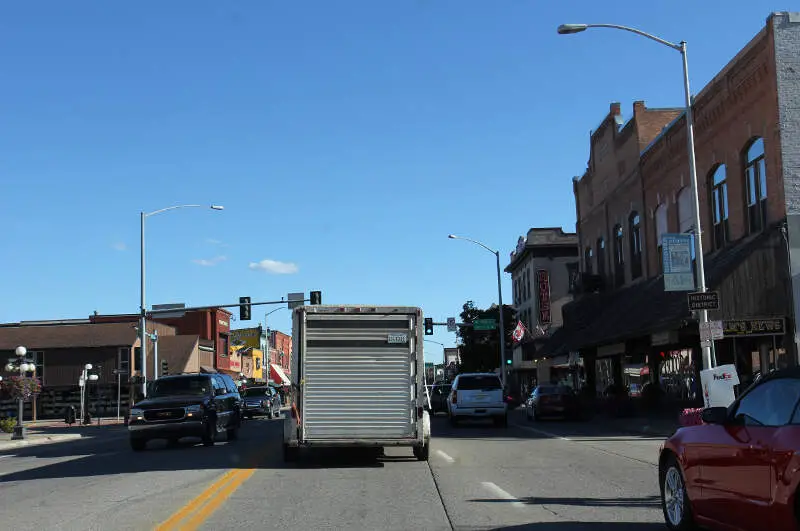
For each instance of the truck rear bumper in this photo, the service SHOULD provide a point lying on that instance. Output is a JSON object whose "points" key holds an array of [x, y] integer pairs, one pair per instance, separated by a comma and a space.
{"points": [[345, 443]]}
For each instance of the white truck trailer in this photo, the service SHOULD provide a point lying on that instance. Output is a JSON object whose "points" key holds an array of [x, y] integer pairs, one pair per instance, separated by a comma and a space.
{"points": [[358, 379]]}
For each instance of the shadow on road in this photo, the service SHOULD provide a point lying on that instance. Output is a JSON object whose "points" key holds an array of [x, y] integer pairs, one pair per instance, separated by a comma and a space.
{"points": [[643, 502], [583, 526], [259, 446]]}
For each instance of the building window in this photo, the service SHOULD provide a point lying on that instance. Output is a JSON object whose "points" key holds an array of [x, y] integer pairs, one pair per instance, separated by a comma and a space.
{"points": [[587, 260], [719, 205], [661, 229], [619, 259], [124, 359], [601, 257], [755, 173], [635, 229], [38, 360], [572, 272]]}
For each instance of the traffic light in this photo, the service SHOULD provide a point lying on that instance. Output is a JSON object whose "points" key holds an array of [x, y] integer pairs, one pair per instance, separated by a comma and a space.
{"points": [[244, 308], [316, 297], [508, 362], [428, 326], [164, 367]]}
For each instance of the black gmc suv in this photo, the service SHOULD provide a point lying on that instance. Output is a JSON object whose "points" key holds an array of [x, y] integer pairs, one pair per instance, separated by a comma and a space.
{"points": [[186, 405]]}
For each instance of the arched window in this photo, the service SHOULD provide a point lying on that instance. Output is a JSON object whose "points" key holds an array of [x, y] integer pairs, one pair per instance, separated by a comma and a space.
{"points": [[755, 175], [601, 257], [619, 258], [587, 260], [635, 239], [719, 205]]}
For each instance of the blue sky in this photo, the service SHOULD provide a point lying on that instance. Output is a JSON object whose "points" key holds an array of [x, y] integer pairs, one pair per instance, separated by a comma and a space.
{"points": [[347, 138]]}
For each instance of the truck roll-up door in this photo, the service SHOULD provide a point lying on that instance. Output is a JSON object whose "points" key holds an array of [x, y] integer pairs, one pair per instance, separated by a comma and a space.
{"points": [[358, 376]]}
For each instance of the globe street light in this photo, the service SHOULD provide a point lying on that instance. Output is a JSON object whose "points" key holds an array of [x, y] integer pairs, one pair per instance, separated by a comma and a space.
{"points": [[22, 365], [568, 29], [142, 307]]}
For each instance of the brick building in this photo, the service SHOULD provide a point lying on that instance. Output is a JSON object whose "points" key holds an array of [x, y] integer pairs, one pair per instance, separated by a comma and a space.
{"points": [[280, 357], [627, 328]]}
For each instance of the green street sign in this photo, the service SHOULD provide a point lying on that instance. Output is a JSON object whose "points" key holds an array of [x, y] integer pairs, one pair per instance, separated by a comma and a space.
{"points": [[484, 324]]}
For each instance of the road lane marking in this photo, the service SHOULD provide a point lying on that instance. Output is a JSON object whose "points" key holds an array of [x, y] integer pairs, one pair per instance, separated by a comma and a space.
{"points": [[542, 432], [445, 456], [203, 497], [502, 494], [223, 494]]}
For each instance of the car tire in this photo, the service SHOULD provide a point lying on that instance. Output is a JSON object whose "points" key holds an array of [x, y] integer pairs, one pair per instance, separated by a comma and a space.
{"points": [[209, 433], [289, 453], [674, 500], [138, 444], [422, 452]]}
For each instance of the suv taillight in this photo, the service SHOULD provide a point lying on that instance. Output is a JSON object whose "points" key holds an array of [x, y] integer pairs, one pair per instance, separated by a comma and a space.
{"points": [[455, 397]]}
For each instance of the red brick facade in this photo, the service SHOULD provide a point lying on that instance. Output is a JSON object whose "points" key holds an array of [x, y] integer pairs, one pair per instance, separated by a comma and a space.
{"points": [[610, 192], [737, 107]]}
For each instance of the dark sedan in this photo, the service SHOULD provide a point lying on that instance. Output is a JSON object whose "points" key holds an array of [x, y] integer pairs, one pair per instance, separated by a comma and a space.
{"points": [[552, 401]]}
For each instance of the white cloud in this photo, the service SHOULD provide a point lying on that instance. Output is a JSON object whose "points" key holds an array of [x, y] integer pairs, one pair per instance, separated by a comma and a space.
{"points": [[210, 262], [119, 246], [274, 266], [212, 241]]}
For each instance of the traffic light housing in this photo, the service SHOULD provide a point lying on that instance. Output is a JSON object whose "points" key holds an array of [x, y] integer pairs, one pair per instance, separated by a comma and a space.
{"points": [[316, 297], [244, 309], [509, 361], [428, 326], [164, 367]]}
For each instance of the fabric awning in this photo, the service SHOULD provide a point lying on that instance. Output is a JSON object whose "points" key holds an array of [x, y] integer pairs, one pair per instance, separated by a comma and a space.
{"points": [[277, 374]]}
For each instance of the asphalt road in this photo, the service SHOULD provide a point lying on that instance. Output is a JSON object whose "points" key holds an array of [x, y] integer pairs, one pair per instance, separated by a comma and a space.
{"points": [[544, 476]]}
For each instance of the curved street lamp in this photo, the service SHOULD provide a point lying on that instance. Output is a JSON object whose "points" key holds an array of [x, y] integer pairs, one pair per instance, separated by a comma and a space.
{"points": [[142, 308], [568, 29], [496, 253]]}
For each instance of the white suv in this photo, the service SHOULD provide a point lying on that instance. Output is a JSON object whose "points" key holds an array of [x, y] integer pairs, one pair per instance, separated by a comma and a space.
{"points": [[477, 395]]}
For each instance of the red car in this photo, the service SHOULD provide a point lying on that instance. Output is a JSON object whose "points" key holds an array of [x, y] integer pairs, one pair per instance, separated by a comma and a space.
{"points": [[740, 468]]}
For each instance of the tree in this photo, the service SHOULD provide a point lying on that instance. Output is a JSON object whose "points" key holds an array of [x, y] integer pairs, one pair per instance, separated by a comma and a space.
{"points": [[479, 348]]}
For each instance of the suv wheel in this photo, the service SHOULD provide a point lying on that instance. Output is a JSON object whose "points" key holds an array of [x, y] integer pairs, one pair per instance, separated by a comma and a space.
{"points": [[138, 444], [209, 433]]}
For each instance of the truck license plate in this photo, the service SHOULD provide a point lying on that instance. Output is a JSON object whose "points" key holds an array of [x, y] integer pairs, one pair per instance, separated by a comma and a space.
{"points": [[398, 339]]}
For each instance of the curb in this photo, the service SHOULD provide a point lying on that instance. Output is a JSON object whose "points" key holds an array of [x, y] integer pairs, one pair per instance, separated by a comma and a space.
{"points": [[10, 445]]}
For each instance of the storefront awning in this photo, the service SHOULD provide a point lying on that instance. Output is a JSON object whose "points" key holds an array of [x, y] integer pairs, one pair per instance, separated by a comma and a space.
{"points": [[277, 374]]}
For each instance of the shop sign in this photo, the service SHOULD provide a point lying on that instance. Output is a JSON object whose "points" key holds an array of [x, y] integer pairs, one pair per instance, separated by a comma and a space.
{"points": [[543, 281], [754, 327]]}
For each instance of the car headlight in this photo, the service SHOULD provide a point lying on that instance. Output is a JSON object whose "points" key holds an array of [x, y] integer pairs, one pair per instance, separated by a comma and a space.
{"points": [[137, 413], [194, 409]]}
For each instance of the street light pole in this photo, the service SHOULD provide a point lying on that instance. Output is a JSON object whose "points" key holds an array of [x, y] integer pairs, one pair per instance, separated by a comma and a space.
{"points": [[567, 29], [22, 365], [496, 253], [142, 307]]}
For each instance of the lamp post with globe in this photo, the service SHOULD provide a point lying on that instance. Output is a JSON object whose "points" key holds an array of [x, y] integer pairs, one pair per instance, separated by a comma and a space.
{"points": [[23, 365]]}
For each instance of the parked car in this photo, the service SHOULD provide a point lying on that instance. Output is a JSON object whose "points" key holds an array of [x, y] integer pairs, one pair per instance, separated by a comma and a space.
{"points": [[186, 405], [478, 395], [438, 393], [552, 401], [261, 401], [740, 468]]}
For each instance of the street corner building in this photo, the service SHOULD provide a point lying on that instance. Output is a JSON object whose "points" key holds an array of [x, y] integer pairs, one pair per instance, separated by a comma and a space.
{"points": [[630, 320]]}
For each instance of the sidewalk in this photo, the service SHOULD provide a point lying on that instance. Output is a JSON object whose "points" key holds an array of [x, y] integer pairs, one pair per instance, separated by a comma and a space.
{"points": [[54, 431]]}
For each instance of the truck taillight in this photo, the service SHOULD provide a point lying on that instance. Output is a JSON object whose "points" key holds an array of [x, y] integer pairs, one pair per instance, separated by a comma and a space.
{"points": [[455, 397]]}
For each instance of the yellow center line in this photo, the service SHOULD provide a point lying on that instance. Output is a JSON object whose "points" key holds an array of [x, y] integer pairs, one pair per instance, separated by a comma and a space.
{"points": [[206, 511], [208, 501]]}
